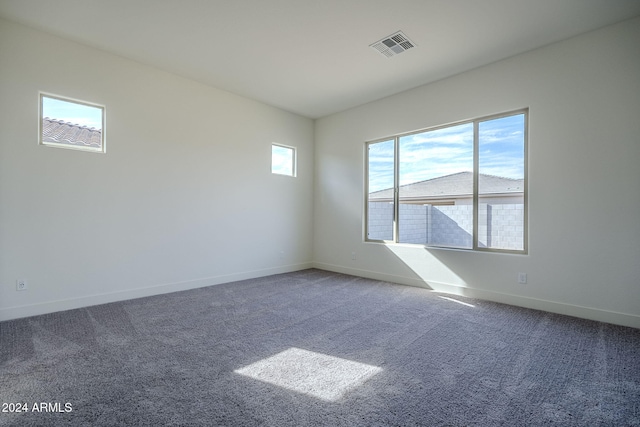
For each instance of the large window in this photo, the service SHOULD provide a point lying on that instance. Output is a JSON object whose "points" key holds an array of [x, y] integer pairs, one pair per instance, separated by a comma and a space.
{"points": [[457, 186], [67, 123]]}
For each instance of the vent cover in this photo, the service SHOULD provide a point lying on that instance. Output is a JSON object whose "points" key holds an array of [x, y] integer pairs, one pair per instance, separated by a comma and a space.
{"points": [[394, 44]]}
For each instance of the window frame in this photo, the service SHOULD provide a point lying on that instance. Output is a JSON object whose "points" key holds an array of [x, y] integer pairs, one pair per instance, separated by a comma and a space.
{"points": [[41, 116], [294, 160], [476, 166]]}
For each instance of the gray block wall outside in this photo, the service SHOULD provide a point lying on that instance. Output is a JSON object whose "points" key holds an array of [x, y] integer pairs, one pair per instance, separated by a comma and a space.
{"points": [[500, 226], [380, 224], [413, 224], [452, 226]]}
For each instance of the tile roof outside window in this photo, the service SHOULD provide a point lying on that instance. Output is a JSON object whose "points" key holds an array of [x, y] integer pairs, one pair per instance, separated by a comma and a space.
{"points": [[61, 132], [457, 184]]}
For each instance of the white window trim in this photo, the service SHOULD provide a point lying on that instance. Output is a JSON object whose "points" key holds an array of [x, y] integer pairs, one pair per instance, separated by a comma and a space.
{"points": [[41, 116], [294, 160], [396, 160]]}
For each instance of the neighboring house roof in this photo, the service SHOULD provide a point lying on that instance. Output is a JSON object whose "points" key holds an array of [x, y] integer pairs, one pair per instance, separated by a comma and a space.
{"points": [[62, 132], [452, 186]]}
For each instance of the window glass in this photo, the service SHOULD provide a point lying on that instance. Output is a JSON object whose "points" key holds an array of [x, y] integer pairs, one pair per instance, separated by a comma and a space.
{"points": [[66, 123], [460, 186], [380, 209], [283, 160], [501, 162], [436, 187]]}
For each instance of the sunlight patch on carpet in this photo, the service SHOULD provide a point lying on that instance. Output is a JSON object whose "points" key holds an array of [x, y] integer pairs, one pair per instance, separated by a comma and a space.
{"points": [[459, 302], [315, 374]]}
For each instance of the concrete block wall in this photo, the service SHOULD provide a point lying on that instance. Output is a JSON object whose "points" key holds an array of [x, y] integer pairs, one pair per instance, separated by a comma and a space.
{"points": [[380, 224], [452, 226], [499, 225], [414, 223]]}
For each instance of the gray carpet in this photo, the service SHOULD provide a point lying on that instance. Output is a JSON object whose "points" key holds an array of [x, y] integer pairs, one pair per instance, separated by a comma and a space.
{"points": [[321, 349]]}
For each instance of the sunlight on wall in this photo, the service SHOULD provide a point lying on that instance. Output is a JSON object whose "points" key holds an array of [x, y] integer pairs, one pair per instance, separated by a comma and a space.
{"points": [[434, 272], [315, 374]]}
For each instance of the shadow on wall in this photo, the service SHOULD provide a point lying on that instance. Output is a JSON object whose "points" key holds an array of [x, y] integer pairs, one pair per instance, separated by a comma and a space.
{"points": [[457, 271], [424, 269]]}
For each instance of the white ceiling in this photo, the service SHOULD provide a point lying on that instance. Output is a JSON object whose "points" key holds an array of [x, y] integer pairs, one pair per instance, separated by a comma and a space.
{"points": [[312, 57]]}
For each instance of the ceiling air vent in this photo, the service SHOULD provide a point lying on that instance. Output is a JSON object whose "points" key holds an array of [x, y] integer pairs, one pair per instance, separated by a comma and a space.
{"points": [[394, 44]]}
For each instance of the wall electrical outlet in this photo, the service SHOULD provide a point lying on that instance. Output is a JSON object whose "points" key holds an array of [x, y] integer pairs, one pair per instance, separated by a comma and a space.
{"points": [[22, 285], [353, 256], [522, 278]]}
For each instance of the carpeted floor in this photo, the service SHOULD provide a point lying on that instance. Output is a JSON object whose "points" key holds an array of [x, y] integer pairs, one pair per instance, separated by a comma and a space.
{"points": [[321, 349]]}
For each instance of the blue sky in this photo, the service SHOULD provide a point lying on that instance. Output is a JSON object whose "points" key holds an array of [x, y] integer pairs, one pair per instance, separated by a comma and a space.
{"points": [[282, 160], [449, 150], [502, 146], [72, 112]]}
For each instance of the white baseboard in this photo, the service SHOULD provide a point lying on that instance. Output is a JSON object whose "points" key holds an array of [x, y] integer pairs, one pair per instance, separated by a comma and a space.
{"points": [[616, 318], [623, 319], [9, 313]]}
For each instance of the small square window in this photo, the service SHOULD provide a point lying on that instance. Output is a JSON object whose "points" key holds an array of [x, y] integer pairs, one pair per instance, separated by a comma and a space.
{"points": [[283, 160], [67, 123]]}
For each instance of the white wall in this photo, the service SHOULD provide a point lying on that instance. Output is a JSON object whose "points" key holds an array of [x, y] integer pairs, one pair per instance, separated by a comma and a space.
{"points": [[183, 197], [584, 179]]}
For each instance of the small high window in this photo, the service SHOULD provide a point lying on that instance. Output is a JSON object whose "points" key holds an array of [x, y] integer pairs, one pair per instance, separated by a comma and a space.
{"points": [[67, 123], [283, 160]]}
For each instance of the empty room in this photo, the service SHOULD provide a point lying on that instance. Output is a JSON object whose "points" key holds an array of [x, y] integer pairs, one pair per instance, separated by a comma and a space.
{"points": [[320, 213]]}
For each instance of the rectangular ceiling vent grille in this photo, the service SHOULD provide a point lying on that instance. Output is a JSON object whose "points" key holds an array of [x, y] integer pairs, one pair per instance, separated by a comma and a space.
{"points": [[394, 44]]}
